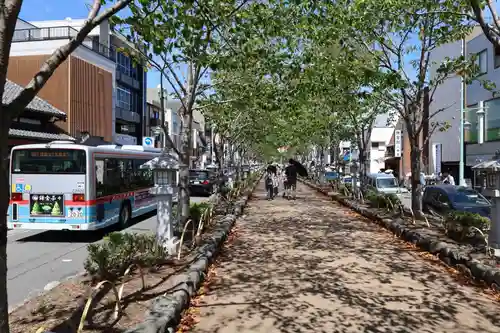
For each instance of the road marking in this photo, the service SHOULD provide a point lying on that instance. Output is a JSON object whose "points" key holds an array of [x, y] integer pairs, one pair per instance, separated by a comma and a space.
{"points": [[51, 285], [67, 260]]}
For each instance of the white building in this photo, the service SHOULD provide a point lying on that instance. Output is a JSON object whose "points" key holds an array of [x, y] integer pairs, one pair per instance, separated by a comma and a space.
{"points": [[382, 131], [445, 146]]}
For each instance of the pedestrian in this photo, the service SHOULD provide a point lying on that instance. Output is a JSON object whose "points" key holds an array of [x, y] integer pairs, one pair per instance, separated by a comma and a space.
{"points": [[291, 180], [448, 178], [270, 181]]}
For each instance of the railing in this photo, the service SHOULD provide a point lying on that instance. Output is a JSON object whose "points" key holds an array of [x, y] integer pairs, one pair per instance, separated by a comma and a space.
{"points": [[127, 115], [55, 33]]}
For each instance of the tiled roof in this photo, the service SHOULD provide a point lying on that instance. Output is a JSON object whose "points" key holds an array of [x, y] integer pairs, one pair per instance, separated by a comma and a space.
{"points": [[37, 104], [38, 135]]}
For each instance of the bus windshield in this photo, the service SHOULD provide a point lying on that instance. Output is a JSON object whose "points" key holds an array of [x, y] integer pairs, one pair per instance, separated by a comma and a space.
{"points": [[48, 161]]}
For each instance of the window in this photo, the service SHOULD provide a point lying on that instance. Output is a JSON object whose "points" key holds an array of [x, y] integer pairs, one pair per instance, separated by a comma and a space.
{"points": [[115, 175], [124, 98], [470, 114], [482, 62], [123, 63], [387, 183], [492, 119], [470, 197], [375, 145], [48, 161], [497, 56]]}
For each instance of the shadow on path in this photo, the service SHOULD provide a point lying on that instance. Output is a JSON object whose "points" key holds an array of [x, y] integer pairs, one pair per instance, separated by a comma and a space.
{"points": [[311, 265]]}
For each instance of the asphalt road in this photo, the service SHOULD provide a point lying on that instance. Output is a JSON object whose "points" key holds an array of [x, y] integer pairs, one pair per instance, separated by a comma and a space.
{"points": [[37, 259]]}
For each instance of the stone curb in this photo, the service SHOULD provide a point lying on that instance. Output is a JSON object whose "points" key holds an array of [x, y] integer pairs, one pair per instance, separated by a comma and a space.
{"points": [[471, 267], [166, 310]]}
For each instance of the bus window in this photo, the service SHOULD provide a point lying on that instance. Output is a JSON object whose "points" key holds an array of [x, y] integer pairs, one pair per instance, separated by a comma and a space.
{"points": [[121, 175], [48, 161]]}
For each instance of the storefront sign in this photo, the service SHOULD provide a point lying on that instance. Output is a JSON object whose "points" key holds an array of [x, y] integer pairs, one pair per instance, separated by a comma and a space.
{"points": [[438, 159], [397, 143]]}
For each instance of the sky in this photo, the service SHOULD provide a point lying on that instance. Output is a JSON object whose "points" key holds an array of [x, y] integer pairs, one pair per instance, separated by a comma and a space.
{"points": [[40, 10]]}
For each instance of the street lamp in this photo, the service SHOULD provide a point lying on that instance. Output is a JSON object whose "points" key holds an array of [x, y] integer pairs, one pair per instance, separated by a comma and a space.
{"points": [[464, 124]]}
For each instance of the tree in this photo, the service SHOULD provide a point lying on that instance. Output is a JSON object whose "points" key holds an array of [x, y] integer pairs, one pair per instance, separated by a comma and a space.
{"points": [[481, 9], [10, 12], [189, 34], [401, 36]]}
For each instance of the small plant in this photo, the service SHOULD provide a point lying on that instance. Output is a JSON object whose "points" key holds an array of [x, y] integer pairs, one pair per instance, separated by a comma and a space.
{"points": [[380, 200], [464, 223], [196, 210], [110, 259]]}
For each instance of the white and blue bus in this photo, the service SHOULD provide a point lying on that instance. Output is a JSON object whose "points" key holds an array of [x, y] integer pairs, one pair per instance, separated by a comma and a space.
{"points": [[66, 186]]}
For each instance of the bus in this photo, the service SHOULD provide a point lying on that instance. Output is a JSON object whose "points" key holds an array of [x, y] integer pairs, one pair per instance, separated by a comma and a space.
{"points": [[66, 186]]}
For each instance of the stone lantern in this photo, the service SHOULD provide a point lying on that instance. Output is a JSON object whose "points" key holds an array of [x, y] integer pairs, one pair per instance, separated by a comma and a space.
{"points": [[164, 169], [492, 171]]}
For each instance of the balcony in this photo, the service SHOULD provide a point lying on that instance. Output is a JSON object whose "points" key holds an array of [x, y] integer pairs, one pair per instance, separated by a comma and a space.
{"points": [[127, 80], [58, 33], [127, 115]]}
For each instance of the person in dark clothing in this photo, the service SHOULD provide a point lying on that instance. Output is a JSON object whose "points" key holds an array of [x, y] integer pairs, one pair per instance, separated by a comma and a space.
{"points": [[291, 180]]}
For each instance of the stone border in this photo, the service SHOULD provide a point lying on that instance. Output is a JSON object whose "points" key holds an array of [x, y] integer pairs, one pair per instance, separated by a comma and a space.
{"points": [[479, 271], [166, 311]]}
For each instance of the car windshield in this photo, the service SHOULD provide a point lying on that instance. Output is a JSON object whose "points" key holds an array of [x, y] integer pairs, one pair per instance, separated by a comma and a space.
{"points": [[470, 197], [387, 183], [202, 175]]}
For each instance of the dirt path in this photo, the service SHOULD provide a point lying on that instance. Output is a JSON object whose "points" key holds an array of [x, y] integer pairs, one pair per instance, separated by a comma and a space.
{"points": [[313, 266]]}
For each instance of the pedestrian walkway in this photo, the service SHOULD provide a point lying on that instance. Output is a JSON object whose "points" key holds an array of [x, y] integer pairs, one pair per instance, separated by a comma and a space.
{"points": [[311, 265]]}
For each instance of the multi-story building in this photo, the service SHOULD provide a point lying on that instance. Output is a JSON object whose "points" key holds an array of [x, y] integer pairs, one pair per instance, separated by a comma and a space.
{"points": [[444, 146], [482, 146], [98, 87], [380, 137], [174, 123]]}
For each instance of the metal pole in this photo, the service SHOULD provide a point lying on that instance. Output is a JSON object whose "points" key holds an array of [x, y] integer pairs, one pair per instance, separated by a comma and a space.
{"points": [[162, 115], [461, 166]]}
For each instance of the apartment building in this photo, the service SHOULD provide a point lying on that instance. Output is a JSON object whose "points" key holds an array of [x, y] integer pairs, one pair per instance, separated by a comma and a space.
{"points": [[98, 87]]}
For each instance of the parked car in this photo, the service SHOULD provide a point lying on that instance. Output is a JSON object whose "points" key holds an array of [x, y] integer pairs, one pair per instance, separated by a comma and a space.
{"points": [[384, 183], [202, 182], [441, 199]]}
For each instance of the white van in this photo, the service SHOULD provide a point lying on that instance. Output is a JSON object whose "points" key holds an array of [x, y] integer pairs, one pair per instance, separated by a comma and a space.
{"points": [[385, 183]]}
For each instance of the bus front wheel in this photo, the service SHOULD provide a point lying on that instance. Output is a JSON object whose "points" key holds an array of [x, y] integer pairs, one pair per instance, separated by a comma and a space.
{"points": [[125, 215]]}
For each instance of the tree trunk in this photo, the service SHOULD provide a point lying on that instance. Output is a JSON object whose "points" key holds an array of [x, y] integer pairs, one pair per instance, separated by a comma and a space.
{"points": [[187, 147], [362, 166], [416, 191], [5, 122]]}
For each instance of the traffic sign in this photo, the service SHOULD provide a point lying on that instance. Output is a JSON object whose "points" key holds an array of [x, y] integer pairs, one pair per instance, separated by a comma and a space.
{"points": [[148, 141]]}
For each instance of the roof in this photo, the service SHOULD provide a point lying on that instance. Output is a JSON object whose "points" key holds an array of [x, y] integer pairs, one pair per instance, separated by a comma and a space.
{"points": [[12, 90], [445, 187], [381, 175], [38, 135]]}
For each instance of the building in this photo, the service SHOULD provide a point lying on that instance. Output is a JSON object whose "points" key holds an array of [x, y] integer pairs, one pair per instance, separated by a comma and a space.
{"points": [[380, 136], [38, 122], [174, 123], [98, 87], [488, 60], [444, 146]]}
